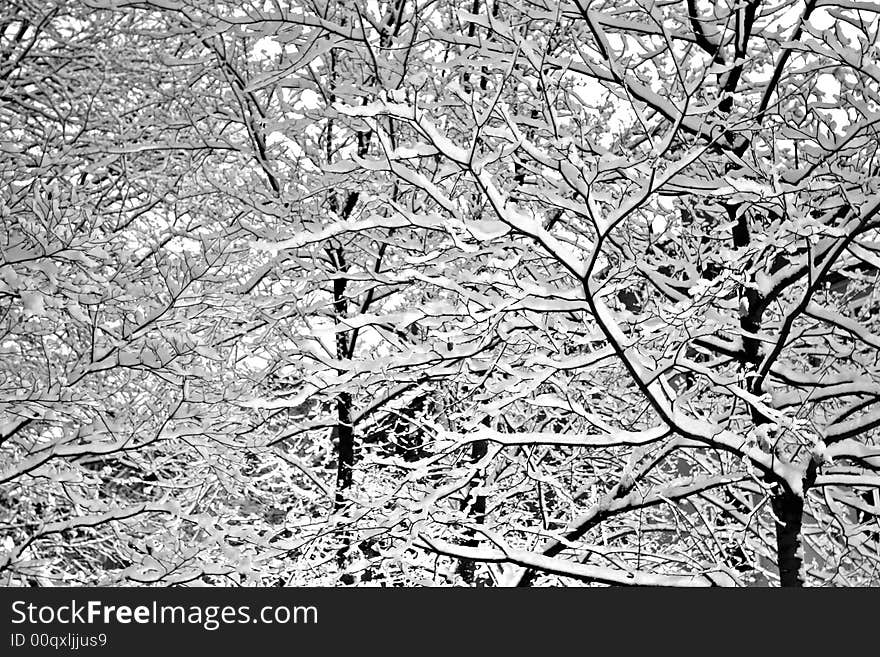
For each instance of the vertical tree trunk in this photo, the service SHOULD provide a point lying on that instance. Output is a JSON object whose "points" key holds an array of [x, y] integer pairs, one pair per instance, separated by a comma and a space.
{"points": [[344, 449], [789, 511], [467, 567], [344, 426], [788, 508]]}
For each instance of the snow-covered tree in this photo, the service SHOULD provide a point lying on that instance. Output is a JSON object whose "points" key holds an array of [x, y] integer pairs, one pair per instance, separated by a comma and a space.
{"points": [[504, 293]]}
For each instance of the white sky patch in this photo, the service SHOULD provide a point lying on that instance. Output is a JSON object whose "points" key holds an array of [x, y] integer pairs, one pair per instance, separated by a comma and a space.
{"points": [[821, 19], [308, 99], [69, 25], [256, 363], [265, 48], [184, 244], [785, 146], [277, 137], [660, 222], [594, 94], [590, 94], [436, 18], [829, 86], [314, 131], [292, 148], [841, 120], [323, 331], [789, 18]]}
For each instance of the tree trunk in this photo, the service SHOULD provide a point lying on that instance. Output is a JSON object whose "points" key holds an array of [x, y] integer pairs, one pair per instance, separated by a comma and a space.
{"points": [[344, 426], [468, 567], [344, 449], [789, 511]]}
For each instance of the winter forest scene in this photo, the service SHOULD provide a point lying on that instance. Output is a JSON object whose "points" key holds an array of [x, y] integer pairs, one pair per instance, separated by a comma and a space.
{"points": [[481, 293]]}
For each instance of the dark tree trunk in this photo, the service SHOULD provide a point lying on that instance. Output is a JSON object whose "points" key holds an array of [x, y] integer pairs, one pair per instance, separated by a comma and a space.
{"points": [[788, 508], [344, 427], [468, 567], [789, 511], [344, 449]]}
